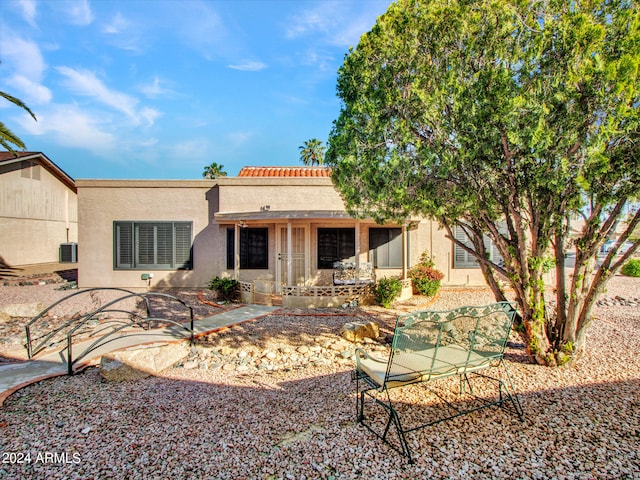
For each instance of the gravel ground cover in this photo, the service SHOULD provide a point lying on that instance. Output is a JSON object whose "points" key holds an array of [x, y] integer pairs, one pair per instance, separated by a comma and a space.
{"points": [[296, 419]]}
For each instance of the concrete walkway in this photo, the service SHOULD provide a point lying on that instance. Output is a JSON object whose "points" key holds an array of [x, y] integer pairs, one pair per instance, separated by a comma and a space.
{"points": [[15, 376]]}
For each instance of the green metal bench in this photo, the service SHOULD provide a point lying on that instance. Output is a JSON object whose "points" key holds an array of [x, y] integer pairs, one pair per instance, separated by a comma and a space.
{"points": [[432, 345]]}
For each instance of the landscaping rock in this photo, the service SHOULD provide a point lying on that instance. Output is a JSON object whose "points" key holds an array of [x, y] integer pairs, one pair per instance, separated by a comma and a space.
{"points": [[128, 365], [22, 310], [358, 331]]}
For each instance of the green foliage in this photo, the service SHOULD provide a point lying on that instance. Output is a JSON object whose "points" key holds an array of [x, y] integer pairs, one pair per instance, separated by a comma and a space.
{"points": [[387, 290], [507, 118], [312, 152], [226, 288], [8, 139], [631, 268], [214, 171], [425, 277]]}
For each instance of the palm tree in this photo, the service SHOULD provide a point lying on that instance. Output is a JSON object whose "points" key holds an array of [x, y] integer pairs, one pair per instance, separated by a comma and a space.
{"points": [[214, 171], [8, 139], [312, 152]]}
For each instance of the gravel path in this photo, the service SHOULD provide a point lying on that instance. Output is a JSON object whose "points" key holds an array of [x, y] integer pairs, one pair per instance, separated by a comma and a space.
{"points": [[297, 421]]}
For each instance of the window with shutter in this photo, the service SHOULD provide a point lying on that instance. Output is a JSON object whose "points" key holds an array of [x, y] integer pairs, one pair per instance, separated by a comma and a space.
{"points": [[152, 245], [183, 245], [463, 259], [123, 245]]}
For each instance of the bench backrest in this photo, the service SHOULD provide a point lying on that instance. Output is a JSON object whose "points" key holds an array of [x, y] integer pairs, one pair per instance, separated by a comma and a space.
{"points": [[435, 344]]}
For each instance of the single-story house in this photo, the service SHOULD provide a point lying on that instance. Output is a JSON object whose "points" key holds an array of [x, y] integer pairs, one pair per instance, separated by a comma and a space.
{"points": [[38, 210], [283, 232]]}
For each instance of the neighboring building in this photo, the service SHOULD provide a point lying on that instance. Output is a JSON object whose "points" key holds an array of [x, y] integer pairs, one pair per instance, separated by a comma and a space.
{"points": [[278, 230], [38, 209]]}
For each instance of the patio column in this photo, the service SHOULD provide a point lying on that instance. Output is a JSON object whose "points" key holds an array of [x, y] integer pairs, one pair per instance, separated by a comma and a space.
{"points": [[405, 250], [289, 254], [236, 253]]}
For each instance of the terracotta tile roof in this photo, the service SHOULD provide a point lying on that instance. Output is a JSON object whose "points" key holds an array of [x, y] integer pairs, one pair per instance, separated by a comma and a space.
{"points": [[284, 172]]}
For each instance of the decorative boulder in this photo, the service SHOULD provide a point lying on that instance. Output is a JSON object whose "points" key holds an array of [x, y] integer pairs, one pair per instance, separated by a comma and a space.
{"points": [[22, 309], [127, 365], [358, 331]]}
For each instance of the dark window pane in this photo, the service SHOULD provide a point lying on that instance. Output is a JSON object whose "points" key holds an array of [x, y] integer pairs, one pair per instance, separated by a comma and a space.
{"points": [[254, 248], [335, 244], [385, 247], [231, 246]]}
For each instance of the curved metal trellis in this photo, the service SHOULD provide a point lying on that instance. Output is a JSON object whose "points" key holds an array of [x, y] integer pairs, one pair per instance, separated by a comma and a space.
{"points": [[33, 350], [144, 323], [113, 327]]}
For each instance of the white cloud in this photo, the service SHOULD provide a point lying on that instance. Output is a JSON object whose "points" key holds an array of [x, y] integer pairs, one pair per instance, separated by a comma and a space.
{"points": [[318, 19], [338, 23], [23, 56], [155, 88], [29, 11], [70, 126], [125, 34], [249, 66], [118, 25], [190, 150], [23, 61], [202, 29], [36, 94], [86, 83], [150, 115], [79, 12]]}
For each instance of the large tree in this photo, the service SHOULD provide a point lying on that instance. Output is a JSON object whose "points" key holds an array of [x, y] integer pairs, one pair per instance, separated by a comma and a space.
{"points": [[505, 119], [312, 152]]}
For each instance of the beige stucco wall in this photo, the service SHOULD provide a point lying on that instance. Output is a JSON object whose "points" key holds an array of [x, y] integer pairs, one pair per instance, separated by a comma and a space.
{"points": [[37, 214], [101, 202], [239, 194]]}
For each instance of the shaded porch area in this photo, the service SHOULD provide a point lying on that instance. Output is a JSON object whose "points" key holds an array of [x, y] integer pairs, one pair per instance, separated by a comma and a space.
{"points": [[311, 259]]}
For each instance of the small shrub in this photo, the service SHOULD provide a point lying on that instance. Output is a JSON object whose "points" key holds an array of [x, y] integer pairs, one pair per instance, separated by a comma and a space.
{"points": [[387, 290], [631, 268], [226, 288], [425, 277]]}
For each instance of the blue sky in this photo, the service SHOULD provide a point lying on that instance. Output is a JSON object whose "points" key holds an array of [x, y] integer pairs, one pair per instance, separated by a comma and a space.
{"points": [[162, 88]]}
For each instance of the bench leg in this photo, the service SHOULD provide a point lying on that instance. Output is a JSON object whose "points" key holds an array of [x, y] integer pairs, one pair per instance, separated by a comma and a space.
{"points": [[511, 391], [393, 422]]}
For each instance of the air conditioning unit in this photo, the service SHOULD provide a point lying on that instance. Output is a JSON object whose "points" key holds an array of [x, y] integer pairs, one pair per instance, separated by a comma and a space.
{"points": [[68, 252]]}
